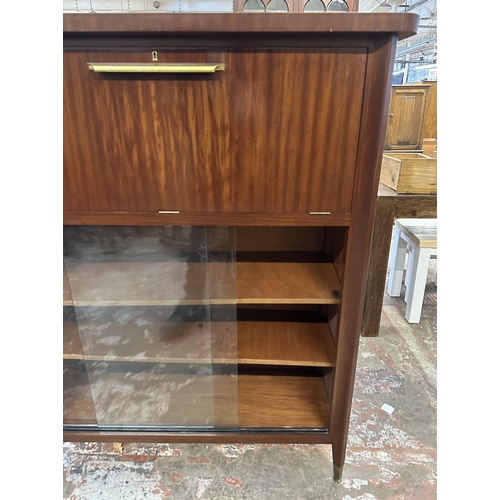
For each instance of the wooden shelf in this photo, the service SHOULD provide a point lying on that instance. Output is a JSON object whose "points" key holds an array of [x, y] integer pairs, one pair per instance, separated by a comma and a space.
{"points": [[298, 339], [282, 401], [286, 278], [285, 343], [172, 399], [261, 278]]}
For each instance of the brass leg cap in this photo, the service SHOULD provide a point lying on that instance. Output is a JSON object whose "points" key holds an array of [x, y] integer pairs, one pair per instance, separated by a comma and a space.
{"points": [[337, 473]]}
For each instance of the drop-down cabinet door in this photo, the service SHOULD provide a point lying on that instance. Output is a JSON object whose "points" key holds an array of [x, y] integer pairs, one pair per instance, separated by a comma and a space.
{"points": [[262, 131], [144, 136]]}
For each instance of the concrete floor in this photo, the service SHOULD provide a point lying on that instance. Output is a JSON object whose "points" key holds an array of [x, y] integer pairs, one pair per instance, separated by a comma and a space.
{"points": [[389, 456]]}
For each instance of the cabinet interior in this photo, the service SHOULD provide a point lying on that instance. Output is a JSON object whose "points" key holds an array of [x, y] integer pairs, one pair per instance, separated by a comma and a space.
{"points": [[245, 339]]}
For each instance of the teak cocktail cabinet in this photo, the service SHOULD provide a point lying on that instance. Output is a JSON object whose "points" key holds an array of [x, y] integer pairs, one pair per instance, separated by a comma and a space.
{"points": [[220, 179]]}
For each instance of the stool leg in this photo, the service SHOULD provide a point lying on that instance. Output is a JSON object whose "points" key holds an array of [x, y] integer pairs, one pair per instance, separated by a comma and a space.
{"points": [[397, 264], [415, 292]]}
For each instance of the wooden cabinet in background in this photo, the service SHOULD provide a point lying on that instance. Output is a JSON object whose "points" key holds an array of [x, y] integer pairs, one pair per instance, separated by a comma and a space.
{"points": [[430, 124], [220, 181], [407, 113]]}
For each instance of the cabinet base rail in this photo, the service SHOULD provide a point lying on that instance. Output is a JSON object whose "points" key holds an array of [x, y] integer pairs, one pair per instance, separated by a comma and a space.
{"points": [[191, 429]]}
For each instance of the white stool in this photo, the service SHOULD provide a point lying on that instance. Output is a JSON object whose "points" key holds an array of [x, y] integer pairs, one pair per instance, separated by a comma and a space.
{"points": [[419, 237]]}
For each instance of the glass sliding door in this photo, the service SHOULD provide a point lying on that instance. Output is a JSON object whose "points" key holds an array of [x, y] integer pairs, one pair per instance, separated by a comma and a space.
{"points": [[154, 309]]}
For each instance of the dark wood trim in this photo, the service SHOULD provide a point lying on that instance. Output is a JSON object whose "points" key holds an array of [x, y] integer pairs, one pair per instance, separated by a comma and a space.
{"points": [[203, 219], [192, 24], [208, 437], [372, 131], [125, 42]]}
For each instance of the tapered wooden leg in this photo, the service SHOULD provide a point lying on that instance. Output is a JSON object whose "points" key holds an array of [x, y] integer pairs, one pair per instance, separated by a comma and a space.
{"points": [[337, 471]]}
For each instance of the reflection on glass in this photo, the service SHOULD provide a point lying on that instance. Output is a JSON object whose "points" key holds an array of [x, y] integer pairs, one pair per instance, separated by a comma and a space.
{"points": [[277, 6], [314, 6], [142, 300], [78, 407], [254, 6], [221, 244]]}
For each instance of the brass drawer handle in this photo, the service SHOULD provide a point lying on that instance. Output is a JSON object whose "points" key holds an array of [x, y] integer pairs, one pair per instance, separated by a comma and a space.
{"points": [[155, 68]]}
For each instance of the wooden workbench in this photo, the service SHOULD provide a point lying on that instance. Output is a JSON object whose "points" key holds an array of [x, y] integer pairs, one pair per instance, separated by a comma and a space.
{"points": [[390, 205]]}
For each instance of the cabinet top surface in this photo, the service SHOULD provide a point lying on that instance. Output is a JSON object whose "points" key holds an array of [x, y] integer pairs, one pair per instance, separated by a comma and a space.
{"points": [[405, 25]]}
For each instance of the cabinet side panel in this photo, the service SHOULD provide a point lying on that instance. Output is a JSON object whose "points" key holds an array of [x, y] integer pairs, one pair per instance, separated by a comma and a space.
{"points": [[373, 126]]}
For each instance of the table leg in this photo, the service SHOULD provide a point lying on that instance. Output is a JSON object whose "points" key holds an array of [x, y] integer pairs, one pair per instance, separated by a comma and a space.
{"points": [[377, 270]]}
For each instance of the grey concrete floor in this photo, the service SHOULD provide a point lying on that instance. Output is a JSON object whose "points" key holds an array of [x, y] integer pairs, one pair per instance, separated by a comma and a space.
{"points": [[389, 456]]}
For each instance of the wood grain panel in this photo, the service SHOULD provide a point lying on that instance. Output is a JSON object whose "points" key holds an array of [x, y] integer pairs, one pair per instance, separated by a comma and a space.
{"points": [[145, 142], [282, 401], [210, 143], [296, 280], [335, 245], [286, 343], [228, 142], [295, 117], [358, 24], [204, 219]]}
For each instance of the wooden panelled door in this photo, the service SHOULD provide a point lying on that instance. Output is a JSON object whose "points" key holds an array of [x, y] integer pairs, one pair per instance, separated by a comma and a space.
{"points": [[406, 117]]}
